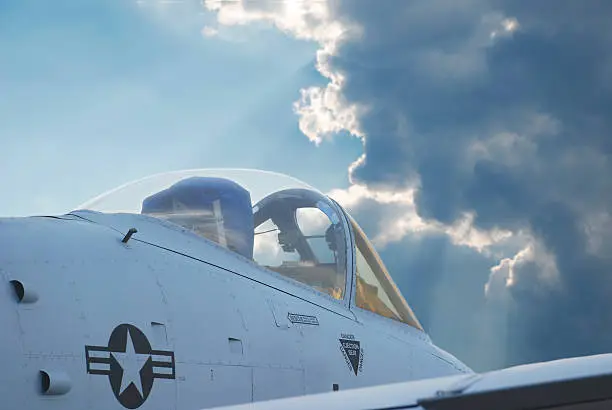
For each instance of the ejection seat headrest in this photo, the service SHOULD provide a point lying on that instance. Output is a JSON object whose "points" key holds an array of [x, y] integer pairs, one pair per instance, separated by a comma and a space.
{"points": [[198, 198]]}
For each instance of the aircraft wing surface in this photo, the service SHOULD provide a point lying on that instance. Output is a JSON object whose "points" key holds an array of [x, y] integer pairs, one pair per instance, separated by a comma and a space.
{"points": [[583, 383]]}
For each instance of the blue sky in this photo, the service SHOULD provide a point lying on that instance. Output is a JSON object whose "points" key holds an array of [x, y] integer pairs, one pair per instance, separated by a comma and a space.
{"points": [[470, 138], [101, 93]]}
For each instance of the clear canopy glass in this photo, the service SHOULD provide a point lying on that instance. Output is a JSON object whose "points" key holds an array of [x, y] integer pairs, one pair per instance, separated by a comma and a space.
{"points": [[277, 221]]}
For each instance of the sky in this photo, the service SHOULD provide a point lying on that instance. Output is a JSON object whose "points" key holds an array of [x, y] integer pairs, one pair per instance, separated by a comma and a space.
{"points": [[471, 139], [98, 94]]}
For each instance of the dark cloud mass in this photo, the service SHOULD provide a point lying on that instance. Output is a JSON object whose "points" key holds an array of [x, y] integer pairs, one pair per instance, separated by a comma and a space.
{"points": [[502, 108]]}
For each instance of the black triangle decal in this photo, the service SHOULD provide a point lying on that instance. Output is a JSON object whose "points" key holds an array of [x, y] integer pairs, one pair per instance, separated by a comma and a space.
{"points": [[352, 352]]}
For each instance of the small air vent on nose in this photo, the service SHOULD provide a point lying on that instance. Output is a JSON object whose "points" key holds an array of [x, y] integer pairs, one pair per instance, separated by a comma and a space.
{"points": [[54, 383], [23, 293]]}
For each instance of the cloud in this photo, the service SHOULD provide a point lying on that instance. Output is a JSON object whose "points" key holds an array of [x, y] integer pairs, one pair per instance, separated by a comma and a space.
{"points": [[532, 261], [511, 129], [397, 217], [306, 20], [485, 119], [208, 31], [323, 111]]}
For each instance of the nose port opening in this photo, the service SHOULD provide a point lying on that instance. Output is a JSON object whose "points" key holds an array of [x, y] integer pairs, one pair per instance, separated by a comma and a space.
{"points": [[45, 382], [19, 290]]}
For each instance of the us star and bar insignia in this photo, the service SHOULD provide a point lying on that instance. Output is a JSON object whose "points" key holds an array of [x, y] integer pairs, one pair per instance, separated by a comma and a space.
{"points": [[130, 364]]}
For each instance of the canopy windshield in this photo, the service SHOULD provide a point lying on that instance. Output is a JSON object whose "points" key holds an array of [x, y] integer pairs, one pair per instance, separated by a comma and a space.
{"points": [[277, 221]]}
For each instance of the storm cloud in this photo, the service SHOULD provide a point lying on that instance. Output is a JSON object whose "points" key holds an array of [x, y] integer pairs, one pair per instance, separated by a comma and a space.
{"points": [[494, 110], [502, 111]]}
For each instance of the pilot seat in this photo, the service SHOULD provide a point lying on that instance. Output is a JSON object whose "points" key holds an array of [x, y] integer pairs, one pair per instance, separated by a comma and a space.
{"points": [[216, 208]]}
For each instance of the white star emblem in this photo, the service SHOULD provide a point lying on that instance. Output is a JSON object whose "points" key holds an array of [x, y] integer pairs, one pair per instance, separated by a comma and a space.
{"points": [[131, 363]]}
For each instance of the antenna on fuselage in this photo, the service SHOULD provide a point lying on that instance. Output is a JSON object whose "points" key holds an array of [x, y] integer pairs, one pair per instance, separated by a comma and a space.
{"points": [[128, 235]]}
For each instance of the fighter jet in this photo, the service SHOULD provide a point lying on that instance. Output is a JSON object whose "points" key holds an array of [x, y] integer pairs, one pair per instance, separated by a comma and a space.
{"points": [[194, 289]]}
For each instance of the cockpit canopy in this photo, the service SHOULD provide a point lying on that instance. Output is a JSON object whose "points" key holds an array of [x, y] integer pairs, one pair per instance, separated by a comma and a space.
{"points": [[282, 224]]}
